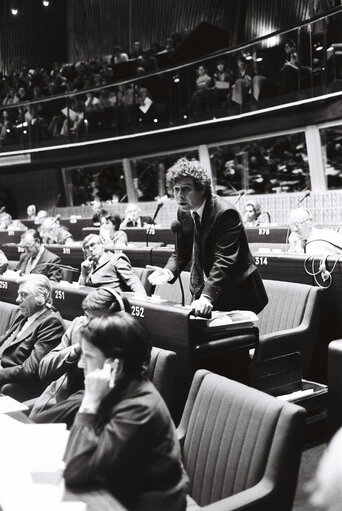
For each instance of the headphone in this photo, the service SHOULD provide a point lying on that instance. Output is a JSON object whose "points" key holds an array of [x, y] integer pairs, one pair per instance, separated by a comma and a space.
{"points": [[309, 214], [117, 297], [39, 300], [325, 274]]}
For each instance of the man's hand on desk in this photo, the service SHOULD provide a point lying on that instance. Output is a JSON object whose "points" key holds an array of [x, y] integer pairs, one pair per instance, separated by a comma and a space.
{"points": [[202, 307], [159, 276]]}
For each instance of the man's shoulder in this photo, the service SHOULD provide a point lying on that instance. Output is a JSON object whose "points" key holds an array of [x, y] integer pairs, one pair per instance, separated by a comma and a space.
{"points": [[47, 255], [51, 315]]}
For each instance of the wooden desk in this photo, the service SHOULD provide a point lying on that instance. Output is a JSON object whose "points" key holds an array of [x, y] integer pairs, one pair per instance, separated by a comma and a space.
{"points": [[10, 236], [157, 234]]}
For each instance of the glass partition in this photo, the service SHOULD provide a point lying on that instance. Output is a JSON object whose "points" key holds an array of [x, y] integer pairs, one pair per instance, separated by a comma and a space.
{"points": [[331, 139], [277, 68], [269, 165]]}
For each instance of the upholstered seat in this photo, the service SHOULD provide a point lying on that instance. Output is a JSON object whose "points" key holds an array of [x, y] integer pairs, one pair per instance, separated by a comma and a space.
{"points": [[162, 372], [289, 322], [143, 274], [241, 447]]}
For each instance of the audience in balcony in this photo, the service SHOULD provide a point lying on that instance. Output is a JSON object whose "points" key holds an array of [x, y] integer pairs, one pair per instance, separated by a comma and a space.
{"points": [[200, 99], [289, 70], [222, 78], [242, 86], [119, 56]]}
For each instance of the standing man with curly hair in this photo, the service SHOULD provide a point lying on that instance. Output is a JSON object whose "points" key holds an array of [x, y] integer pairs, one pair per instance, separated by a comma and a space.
{"points": [[223, 274]]}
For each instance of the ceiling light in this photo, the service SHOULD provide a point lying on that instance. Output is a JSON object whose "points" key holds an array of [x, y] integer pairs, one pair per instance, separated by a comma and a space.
{"points": [[46, 3], [14, 11]]}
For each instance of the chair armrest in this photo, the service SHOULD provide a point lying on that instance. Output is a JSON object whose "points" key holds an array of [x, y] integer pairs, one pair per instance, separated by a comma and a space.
{"points": [[257, 498], [273, 344]]}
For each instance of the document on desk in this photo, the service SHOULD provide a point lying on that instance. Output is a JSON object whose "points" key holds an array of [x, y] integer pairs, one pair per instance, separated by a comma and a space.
{"points": [[31, 468], [8, 405]]}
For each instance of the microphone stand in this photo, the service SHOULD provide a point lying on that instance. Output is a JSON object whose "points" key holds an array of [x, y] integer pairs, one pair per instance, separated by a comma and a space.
{"points": [[148, 231]]}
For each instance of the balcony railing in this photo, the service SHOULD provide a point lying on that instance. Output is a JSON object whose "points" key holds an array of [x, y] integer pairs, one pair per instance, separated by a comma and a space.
{"points": [[285, 66]]}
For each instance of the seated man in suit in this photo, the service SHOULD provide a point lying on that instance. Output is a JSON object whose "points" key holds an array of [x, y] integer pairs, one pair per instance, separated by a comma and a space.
{"points": [[35, 330], [102, 268], [53, 233], [36, 258], [61, 399], [133, 219]]}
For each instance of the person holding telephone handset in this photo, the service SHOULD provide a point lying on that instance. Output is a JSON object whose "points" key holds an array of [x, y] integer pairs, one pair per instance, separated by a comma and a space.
{"points": [[123, 437]]}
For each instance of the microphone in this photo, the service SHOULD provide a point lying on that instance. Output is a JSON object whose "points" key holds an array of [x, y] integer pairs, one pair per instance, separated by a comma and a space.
{"points": [[304, 196], [239, 196], [176, 228], [55, 205], [148, 232], [57, 265]]}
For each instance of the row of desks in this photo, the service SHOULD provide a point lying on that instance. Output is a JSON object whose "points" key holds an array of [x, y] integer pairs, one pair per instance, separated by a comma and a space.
{"points": [[170, 326], [80, 227]]}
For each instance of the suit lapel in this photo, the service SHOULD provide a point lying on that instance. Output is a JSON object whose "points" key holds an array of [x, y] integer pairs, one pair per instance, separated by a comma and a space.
{"points": [[101, 265], [206, 223], [28, 331]]}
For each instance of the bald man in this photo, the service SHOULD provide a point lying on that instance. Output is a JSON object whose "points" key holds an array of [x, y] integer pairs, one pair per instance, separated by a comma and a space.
{"points": [[305, 238]]}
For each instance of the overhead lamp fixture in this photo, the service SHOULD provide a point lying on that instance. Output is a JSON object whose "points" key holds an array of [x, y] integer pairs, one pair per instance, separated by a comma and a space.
{"points": [[248, 56], [318, 47], [14, 11], [259, 59], [176, 78], [46, 3]]}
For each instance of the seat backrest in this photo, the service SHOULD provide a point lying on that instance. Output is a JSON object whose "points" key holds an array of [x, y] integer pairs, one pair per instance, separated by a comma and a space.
{"points": [[234, 435], [7, 313], [286, 305], [162, 372], [143, 274], [172, 292]]}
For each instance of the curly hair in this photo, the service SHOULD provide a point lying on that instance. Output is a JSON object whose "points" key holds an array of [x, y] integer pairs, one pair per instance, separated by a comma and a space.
{"points": [[184, 168]]}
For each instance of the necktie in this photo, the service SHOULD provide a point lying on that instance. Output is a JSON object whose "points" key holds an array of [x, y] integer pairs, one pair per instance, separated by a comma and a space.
{"points": [[196, 271]]}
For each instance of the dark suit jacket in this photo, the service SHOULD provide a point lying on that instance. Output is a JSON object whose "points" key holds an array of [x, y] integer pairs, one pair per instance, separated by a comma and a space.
{"points": [[143, 220], [20, 360], [52, 272], [233, 281]]}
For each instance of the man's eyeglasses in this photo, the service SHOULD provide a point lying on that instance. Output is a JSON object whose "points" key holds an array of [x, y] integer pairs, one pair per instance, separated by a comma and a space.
{"points": [[27, 245]]}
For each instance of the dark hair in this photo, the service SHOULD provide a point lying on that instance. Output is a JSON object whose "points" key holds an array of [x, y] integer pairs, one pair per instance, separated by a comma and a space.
{"points": [[105, 300], [35, 235], [115, 220], [290, 42], [184, 168], [120, 336]]}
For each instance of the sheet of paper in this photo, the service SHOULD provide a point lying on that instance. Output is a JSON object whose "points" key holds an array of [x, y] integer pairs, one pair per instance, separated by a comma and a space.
{"points": [[8, 404]]}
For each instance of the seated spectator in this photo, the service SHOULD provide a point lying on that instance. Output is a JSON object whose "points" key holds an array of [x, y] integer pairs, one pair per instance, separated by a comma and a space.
{"points": [[252, 212], [35, 330], [59, 366], [101, 268], [305, 238], [3, 263], [53, 233], [36, 258], [241, 89], [146, 106], [123, 436], [110, 233], [119, 56], [31, 212], [221, 84], [133, 219], [99, 213], [289, 70], [11, 98], [200, 99], [137, 50], [6, 222], [74, 119], [6, 127], [41, 215]]}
